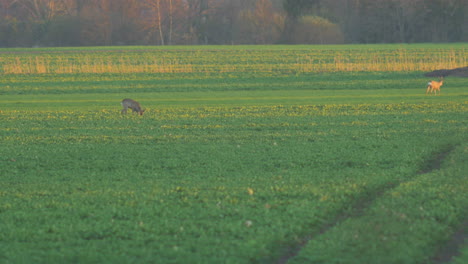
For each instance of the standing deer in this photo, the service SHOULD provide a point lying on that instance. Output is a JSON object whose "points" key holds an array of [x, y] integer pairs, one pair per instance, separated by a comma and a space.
{"points": [[132, 104], [434, 86]]}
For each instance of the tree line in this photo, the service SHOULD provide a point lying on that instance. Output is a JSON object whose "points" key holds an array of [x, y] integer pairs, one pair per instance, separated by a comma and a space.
{"points": [[26, 23]]}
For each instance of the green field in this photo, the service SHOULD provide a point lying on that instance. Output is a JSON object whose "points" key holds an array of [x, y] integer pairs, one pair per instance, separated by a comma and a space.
{"points": [[246, 154]]}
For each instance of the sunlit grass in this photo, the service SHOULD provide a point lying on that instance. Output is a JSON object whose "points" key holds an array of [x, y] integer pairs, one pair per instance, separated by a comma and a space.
{"points": [[287, 59], [238, 159]]}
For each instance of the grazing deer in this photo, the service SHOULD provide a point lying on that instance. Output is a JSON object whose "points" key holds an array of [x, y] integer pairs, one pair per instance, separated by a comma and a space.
{"points": [[132, 104], [434, 86]]}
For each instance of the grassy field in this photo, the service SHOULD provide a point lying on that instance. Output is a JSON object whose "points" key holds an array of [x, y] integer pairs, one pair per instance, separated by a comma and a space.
{"points": [[247, 154]]}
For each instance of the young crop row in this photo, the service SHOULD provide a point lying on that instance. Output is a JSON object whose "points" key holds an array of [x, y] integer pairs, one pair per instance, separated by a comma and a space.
{"points": [[233, 167], [252, 111], [224, 184], [288, 60]]}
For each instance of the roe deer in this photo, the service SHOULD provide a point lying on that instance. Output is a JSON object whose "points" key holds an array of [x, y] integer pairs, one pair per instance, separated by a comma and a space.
{"points": [[434, 86], [132, 104]]}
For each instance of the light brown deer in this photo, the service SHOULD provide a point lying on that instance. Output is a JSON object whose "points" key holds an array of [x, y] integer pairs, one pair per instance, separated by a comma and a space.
{"points": [[434, 86], [132, 104]]}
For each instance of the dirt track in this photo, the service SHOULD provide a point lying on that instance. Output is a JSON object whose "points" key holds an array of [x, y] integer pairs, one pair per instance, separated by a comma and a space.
{"points": [[458, 72]]}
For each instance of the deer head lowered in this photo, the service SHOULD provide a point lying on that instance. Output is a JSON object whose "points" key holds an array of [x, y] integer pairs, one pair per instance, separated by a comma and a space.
{"points": [[132, 104]]}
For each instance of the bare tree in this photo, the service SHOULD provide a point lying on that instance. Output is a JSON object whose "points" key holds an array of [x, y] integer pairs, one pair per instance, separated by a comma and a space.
{"points": [[262, 25]]}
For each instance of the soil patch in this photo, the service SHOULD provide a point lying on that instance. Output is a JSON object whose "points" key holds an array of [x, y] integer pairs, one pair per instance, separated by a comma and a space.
{"points": [[458, 72]]}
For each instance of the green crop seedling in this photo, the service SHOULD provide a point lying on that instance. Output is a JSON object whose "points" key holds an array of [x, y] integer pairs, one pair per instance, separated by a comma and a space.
{"points": [[245, 154]]}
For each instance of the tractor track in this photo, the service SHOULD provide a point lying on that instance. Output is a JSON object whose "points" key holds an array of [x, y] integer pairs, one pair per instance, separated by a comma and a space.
{"points": [[452, 247], [362, 204]]}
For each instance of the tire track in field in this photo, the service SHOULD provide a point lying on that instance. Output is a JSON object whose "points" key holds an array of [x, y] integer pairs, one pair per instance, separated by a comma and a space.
{"points": [[435, 161], [452, 248], [360, 206]]}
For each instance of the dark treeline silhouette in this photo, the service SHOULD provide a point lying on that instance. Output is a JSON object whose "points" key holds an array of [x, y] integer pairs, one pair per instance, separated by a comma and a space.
{"points": [[27, 23]]}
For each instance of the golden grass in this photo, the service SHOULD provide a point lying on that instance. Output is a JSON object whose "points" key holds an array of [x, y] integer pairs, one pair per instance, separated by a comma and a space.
{"points": [[221, 61]]}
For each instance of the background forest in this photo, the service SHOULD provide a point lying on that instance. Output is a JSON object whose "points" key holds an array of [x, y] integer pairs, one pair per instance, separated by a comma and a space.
{"points": [[27, 23]]}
